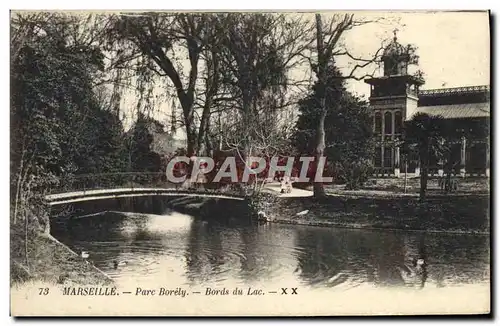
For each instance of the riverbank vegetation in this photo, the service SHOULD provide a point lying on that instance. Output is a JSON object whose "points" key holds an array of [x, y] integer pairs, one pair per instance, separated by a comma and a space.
{"points": [[39, 257], [461, 214], [384, 204]]}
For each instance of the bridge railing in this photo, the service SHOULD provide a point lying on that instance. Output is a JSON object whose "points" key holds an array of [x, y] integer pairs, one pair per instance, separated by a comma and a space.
{"points": [[134, 180], [84, 182]]}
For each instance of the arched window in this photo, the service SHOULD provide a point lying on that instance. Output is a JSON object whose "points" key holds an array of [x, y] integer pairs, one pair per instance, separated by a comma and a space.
{"points": [[378, 157], [388, 157], [388, 123], [398, 122], [378, 123]]}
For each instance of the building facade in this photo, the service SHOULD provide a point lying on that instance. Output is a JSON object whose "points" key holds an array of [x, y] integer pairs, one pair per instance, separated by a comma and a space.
{"points": [[397, 96]]}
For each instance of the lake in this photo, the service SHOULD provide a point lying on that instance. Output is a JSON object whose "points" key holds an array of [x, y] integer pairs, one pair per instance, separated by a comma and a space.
{"points": [[178, 250]]}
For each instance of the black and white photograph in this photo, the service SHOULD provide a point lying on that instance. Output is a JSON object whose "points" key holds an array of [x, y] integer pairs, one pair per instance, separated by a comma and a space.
{"points": [[250, 163]]}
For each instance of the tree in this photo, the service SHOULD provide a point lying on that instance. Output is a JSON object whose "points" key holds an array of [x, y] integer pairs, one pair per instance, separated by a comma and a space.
{"points": [[426, 133], [142, 157], [58, 126], [51, 97], [209, 96], [161, 40], [328, 46], [348, 138], [257, 53]]}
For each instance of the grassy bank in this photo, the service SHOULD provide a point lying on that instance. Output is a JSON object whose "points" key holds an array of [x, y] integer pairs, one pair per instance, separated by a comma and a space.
{"points": [[48, 261], [395, 187], [387, 207]]}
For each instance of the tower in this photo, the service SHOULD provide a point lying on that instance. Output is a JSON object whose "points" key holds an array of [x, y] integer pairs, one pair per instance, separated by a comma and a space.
{"points": [[393, 99]]}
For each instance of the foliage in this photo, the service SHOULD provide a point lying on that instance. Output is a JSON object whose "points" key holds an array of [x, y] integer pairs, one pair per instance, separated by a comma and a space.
{"points": [[329, 46], [153, 40], [428, 135], [348, 135], [258, 50], [56, 119], [139, 144], [58, 127]]}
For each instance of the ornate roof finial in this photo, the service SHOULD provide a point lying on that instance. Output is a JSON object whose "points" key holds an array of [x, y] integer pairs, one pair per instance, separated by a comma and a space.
{"points": [[394, 49]]}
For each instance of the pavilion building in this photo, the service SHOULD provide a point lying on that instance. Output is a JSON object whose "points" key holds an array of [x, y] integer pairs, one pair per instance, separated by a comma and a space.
{"points": [[397, 96]]}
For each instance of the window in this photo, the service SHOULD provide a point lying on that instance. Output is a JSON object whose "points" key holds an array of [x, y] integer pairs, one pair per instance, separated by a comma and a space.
{"points": [[388, 157], [388, 123], [398, 122], [476, 157], [378, 157], [378, 123]]}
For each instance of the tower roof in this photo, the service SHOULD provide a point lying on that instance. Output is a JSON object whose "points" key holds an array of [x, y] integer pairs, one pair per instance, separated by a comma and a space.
{"points": [[394, 49]]}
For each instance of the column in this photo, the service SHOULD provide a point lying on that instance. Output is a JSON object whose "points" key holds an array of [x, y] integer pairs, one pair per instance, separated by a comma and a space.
{"points": [[441, 164], [393, 156], [396, 162], [462, 157], [393, 124], [487, 171], [382, 155], [383, 127], [417, 167], [382, 143]]}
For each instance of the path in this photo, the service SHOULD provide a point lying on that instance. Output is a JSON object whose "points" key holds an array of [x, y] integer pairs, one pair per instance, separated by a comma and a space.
{"points": [[296, 192]]}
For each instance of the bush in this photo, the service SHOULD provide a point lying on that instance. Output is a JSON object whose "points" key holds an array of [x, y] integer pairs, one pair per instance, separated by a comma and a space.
{"points": [[354, 173]]}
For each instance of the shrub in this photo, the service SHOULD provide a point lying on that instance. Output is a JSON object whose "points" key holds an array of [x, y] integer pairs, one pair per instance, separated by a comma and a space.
{"points": [[354, 173]]}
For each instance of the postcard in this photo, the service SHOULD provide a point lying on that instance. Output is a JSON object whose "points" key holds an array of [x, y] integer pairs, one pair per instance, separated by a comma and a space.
{"points": [[250, 163]]}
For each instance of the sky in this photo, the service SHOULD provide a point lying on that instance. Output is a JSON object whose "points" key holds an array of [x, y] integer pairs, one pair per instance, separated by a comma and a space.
{"points": [[454, 48]]}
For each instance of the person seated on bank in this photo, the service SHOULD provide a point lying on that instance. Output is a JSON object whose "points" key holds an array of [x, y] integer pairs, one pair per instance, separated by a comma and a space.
{"points": [[286, 185]]}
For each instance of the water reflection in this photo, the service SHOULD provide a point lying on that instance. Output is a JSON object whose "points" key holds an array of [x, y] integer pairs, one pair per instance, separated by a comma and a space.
{"points": [[332, 257], [179, 249]]}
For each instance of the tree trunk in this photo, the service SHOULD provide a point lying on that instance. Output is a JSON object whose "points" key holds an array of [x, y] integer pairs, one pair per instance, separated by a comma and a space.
{"points": [[423, 180], [319, 189], [187, 101], [246, 127], [19, 183], [424, 166], [204, 127], [192, 147], [26, 228], [406, 174], [424, 163], [45, 220], [209, 146], [212, 85], [448, 171], [18, 189]]}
